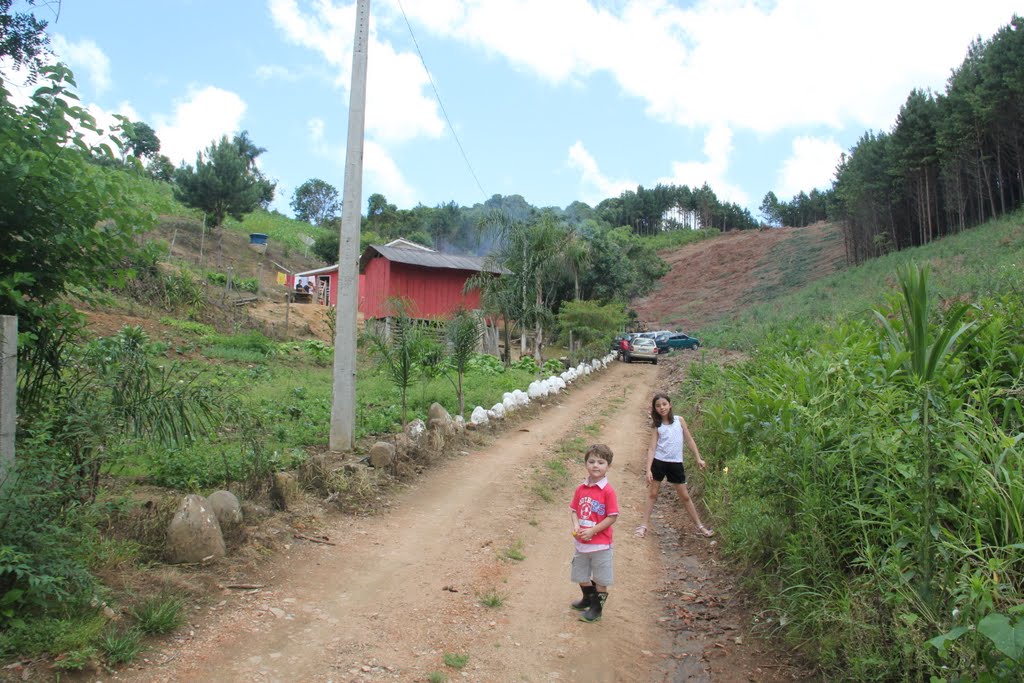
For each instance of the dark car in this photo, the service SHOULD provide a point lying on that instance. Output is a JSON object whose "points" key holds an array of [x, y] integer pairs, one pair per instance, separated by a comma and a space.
{"points": [[662, 341], [679, 340]]}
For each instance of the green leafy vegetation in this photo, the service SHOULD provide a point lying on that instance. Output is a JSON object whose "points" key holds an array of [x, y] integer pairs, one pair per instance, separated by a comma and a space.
{"points": [[159, 614], [867, 467], [122, 646]]}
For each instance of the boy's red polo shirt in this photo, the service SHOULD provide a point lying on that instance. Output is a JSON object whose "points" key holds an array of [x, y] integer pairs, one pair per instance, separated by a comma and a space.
{"points": [[593, 503]]}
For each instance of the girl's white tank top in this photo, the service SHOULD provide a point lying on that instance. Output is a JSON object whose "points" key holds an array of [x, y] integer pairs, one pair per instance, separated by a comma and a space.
{"points": [[670, 441]]}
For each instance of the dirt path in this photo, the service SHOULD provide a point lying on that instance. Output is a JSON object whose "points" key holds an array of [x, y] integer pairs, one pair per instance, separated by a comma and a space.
{"points": [[401, 590]]}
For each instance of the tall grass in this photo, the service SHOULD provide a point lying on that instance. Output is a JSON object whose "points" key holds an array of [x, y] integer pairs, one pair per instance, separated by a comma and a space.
{"points": [[870, 472]]}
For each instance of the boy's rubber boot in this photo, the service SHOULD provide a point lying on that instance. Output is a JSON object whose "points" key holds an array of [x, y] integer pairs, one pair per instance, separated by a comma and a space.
{"points": [[584, 602], [593, 612]]}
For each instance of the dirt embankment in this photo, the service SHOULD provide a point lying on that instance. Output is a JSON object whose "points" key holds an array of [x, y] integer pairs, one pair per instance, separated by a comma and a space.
{"points": [[715, 279]]}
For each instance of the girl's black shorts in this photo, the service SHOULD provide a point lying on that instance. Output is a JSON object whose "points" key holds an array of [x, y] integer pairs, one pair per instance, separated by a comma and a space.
{"points": [[673, 471]]}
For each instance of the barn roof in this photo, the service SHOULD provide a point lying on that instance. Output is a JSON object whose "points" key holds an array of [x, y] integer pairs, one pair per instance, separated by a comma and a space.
{"points": [[427, 259]]}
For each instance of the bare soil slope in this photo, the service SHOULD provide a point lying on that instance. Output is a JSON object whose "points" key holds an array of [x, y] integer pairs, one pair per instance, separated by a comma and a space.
{"points": [[719, 277]]}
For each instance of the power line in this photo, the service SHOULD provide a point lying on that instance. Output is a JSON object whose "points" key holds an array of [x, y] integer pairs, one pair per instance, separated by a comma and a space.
{"points": [[440, 103]]}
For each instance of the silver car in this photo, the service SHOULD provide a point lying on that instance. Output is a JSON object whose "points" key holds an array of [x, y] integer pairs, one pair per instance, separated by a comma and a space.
{"points": [[642, 348]]}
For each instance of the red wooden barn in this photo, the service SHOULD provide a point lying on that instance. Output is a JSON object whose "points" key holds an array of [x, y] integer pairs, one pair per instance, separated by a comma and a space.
{"points": [[431, 281]]}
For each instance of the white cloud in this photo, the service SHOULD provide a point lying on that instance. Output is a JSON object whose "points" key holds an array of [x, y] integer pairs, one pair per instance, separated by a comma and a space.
{"points": [[399, 103], [750, 64], [811, 165], [201, 119], [594, 185], [380, 172], [717, 151], [84, 56]]}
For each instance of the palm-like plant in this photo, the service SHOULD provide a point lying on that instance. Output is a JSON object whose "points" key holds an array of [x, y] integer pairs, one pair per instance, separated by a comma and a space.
{"points": [[397, 349], [924, 353], [462, 335]]}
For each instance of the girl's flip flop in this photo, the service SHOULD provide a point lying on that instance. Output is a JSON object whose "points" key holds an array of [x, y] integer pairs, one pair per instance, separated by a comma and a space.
{"points": [[641, 531], [705, 532]]}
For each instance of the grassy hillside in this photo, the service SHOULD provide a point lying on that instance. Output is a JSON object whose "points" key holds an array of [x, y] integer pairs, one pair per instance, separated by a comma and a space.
{"points": [[283, 231], [980, 261], [868, 475]]}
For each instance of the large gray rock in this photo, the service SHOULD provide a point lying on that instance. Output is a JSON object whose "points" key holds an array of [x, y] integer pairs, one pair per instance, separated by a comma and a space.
{"points": [[439, 421], [226, 509], [437, 412], [382, 455], [194, 534]]}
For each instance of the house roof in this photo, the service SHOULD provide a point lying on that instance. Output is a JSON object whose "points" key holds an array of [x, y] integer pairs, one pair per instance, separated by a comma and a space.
{"points": [[427, 259], [318, 271], [402, 242]]}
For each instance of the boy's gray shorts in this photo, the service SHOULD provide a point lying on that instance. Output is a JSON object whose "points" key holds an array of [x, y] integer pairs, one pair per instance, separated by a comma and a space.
{"points": [[595, 566]]}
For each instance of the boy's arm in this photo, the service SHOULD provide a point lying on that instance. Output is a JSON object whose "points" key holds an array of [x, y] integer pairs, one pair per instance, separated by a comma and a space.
{"points": [[575, 523], [590, 532], [692, 445]]}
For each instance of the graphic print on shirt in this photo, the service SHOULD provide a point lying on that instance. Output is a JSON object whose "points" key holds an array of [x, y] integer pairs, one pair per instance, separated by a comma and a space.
{"points": [[590, 508]]}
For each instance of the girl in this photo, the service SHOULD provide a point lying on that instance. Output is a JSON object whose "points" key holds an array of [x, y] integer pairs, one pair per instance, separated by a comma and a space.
{"points": [[665, 459]]}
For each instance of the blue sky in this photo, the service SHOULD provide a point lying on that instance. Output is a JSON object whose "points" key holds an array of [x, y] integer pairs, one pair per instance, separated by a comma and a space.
{"points": [[556, 100]]}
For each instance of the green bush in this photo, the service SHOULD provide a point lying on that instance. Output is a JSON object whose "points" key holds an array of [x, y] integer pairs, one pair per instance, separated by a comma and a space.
{"points": [[526, 364], [829, 453]]}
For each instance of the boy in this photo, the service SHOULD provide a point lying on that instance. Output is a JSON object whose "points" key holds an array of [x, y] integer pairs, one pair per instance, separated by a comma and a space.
{"points": [[594, 509]]}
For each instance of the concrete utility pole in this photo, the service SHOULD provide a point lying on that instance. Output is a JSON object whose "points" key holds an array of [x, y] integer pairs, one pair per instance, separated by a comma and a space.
{"points": [[8, 392], [343, 406]]}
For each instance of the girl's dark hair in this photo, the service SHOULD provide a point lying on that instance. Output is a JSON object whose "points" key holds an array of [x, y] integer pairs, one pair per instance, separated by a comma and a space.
{"points": [[655, 418]]}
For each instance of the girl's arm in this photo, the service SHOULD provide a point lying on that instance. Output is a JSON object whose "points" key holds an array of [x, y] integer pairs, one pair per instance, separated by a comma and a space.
{"points": [[651, 446], [691, 444]]}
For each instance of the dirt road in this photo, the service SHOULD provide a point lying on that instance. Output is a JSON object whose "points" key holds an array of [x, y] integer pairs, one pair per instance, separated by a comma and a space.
{"points": [[403, 589]]}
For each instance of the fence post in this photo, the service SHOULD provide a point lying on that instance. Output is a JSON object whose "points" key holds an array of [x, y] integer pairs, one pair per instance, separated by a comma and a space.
{"points": [[8, 392]]}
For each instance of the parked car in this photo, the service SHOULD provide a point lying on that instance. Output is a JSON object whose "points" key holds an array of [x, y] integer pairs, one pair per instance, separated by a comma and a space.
{"points": [[662, 341], [678, 340], [660, 338], [642, 348]]}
